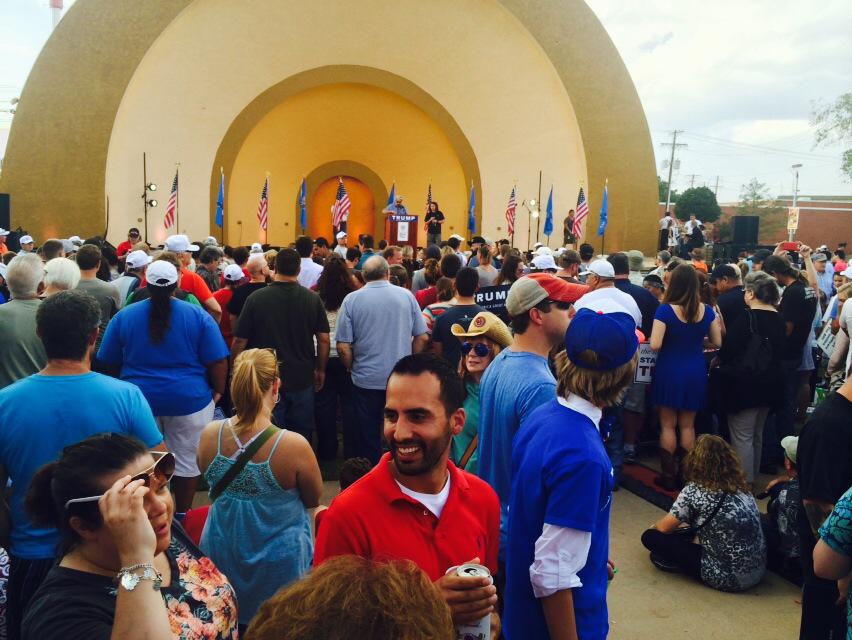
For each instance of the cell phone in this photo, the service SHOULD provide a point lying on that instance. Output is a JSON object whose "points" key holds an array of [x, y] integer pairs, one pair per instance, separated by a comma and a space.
{"points": [[790, 246]]}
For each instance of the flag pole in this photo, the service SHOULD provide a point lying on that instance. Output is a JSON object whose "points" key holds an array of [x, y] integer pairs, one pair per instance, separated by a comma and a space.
{"points": [[222, 182], [538, 220], [177, 198], [268, 212]]}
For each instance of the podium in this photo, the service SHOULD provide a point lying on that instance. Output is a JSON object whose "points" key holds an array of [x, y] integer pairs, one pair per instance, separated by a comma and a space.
{"points": [[401, 230]]}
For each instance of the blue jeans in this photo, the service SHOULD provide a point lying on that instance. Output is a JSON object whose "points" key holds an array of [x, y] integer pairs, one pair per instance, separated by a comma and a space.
{"points": [[433, 238], [614, 444], [365, 440], [295, 411], [337, 389]]}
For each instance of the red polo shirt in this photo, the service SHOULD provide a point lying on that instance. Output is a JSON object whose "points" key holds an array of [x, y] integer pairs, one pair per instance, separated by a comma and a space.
{"points": [[374, 519], [193, 283]]}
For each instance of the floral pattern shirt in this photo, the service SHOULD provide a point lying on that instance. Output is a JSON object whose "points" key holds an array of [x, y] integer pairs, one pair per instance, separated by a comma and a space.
{"points": [[836, 532], [72, 605]]}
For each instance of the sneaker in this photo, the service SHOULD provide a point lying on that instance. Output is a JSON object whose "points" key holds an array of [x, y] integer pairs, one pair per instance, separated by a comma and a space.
{"points": [[664, 565], [629, 455]]}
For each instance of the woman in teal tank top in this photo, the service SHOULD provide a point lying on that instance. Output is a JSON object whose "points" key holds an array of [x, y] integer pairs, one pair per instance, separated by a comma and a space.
{"points": [[258, 531]]}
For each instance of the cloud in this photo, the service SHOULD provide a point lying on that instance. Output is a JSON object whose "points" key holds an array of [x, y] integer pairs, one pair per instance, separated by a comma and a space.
{"points": [[656, 42]]}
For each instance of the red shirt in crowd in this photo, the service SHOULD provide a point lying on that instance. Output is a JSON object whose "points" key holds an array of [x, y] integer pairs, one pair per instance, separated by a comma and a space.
{"points": [[123, 248], [427, 296], [374, 519], [193, 283], [223, 297]]}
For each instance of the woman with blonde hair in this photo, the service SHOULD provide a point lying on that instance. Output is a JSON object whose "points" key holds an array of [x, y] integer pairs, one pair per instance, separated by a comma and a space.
{"points": [[717, 506], [679, 389], [484, 338], [262, 482]]}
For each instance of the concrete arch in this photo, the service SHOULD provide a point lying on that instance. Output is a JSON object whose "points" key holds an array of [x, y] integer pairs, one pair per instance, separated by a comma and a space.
{"points": [[56, 162]]}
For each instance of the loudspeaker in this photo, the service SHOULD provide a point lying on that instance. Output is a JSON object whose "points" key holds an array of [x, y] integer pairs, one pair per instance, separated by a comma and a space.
{"points": [[745, 229], [5, 211]]}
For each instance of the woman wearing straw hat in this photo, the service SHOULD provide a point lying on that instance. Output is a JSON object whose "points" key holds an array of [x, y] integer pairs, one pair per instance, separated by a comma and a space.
{"points": [[483, 339]]}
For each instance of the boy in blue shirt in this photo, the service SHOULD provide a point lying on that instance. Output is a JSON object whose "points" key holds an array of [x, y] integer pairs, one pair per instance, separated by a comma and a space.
{"points": [[562, 480]]}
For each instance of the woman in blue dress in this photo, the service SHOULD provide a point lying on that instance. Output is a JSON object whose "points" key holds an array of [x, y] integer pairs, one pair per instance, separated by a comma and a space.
{"points": [[258, 529], [680, 378]]}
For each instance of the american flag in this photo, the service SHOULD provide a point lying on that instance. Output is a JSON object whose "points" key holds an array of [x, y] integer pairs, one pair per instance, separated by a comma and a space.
{"points": [[428, 202], [263, 206], [340, 209], [582, 210], [510, 212], [171, 207]]}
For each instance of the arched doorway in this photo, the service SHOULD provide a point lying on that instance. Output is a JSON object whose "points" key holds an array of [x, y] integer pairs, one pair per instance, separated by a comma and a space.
{"points": [[361, 213]]}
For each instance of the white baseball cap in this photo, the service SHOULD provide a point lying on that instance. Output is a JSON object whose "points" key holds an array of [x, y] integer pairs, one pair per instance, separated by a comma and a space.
{"points": [[256, 248], [455, 235], [26, 240], [137, 259], [544, 261], [537, 245], [76, 240], [161, 274], [180, 244], [543, 251], [3, 232], [211, 242], [340, 235], [3, 269], [847, 273], [601, 268], [234, 273]]}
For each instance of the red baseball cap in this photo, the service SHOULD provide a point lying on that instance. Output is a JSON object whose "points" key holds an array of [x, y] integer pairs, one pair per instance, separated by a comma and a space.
{"points": [[530, 290]]}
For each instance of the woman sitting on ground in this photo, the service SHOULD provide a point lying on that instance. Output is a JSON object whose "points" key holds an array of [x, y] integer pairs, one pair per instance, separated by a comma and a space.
{"points": [[351, 597], [258, 531], [125, 571], [718, 507], [482, 340]]}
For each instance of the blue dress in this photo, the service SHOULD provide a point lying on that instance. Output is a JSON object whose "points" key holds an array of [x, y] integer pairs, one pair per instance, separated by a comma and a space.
{"points": [[257, 533], [680, 377]]}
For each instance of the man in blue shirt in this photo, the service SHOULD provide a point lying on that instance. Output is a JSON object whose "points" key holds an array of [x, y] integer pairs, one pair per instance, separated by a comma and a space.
{"points": [[376, 326], [365, 244], [557, 556], [519, 380], [59, 406]]}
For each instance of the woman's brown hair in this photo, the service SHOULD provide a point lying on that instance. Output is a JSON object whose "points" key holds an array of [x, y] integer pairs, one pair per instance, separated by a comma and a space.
{"points": [[713, 465], [683, 290], [464, 374], [601, 388], [351, 597], [255, 371]]}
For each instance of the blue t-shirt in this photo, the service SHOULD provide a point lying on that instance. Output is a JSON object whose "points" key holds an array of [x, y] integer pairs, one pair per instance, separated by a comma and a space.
{"points": [[513, 386], [561, 476], [40, 415], [172, 374]]}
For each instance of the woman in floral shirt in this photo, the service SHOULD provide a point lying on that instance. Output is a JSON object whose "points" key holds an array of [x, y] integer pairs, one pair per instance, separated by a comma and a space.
{"points": [[833, 553], [126, 571]]}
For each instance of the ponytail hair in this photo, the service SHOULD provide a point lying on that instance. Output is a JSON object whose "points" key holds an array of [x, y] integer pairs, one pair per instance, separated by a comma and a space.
{"points": [[255, 371], [161, 311], [78, 473]]}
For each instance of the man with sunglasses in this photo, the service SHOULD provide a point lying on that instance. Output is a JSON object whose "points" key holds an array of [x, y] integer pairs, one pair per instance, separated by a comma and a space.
{"points": [[519, 380], [40, 415]]}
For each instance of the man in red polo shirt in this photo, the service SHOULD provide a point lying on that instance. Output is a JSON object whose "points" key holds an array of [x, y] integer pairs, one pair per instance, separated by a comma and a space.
{"points": [[189, 281], [415, 504]]}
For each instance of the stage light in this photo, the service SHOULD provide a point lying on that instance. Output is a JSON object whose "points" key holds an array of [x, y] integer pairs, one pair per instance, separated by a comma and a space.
{"points": [[152, 203], [152, 187], [532, 202], [535, 213]]}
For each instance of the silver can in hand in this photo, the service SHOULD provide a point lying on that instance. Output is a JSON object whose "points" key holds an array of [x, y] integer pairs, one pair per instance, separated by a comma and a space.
{"points": [[481, 629]]}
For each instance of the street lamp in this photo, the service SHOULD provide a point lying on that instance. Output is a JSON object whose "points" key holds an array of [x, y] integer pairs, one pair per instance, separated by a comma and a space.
{"points": [[795, 168]]}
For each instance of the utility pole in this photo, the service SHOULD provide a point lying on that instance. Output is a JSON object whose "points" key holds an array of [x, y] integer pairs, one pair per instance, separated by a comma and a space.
{"points": [[716, 188], [692, 177], [674, 145], [795, 168]]}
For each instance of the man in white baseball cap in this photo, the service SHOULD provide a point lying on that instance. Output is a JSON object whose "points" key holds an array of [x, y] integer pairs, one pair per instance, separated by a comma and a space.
{"points": [[190, 281], [3, 235], [544, 262], [342, 240], [256, 247], [211, 242], [233, 276], [600, 278], [26, 243], [136, 264]]}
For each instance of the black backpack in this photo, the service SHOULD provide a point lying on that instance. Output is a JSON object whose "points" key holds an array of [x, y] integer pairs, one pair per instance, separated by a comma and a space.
{"points": [[755, 358]]}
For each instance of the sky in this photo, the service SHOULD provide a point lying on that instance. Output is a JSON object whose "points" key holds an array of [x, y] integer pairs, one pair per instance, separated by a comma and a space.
{"points": [[740, 79]]}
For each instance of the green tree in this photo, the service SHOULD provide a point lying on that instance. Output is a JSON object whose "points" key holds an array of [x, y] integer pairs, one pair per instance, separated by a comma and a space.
{"points": [[699, 200], [833, 124], [755, 200], [663, 187]]}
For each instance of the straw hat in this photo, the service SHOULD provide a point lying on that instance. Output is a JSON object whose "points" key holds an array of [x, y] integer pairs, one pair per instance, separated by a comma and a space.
{"points": [[485, 324]]}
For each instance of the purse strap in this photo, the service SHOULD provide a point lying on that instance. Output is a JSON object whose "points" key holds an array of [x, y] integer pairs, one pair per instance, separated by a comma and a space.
{"points": [[714, 512], [241, 461], [471, 448]]}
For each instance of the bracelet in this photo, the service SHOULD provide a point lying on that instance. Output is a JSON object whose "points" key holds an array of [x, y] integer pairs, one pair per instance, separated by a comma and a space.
{"points": [[129, 579]]}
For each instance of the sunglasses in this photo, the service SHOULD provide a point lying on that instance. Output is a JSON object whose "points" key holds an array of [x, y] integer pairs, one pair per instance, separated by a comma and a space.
{"points": [[154, 477], [562, 306], [481, 349]]}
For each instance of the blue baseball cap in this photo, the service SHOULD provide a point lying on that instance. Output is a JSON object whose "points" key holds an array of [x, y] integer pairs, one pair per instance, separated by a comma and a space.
{"points": [[610, 336]]}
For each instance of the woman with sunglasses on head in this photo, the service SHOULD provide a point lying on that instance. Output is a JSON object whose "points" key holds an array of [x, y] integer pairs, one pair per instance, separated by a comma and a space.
{"points": [[125, 570], [258, 530], [482, 340]]}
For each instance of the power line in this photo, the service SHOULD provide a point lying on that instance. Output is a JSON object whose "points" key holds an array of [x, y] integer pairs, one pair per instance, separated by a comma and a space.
{"points": [[755, 147]]}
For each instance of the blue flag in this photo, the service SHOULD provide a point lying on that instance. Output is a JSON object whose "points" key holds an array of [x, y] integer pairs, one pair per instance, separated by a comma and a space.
{"points": [[471, 211], [604, 210], [220, 202], [392, 196], [548, 221], [303, 202]]}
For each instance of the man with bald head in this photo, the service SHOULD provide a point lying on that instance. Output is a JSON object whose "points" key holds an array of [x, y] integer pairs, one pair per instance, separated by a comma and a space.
{"points": [[376, 326], [258, 271]]}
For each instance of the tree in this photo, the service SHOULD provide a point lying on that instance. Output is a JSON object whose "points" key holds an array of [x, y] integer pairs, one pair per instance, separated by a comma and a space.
{"points": [[755, 200], [663, 187], [833, 124], [699, 200]]}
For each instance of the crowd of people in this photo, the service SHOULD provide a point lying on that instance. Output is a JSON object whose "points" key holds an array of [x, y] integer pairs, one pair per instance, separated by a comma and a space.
{"points": [[472, 432]]}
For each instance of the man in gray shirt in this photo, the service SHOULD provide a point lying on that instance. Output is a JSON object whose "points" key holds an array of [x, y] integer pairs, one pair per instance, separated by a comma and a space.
{"points": [[23, 352], [106, 294], [376, 326]]}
